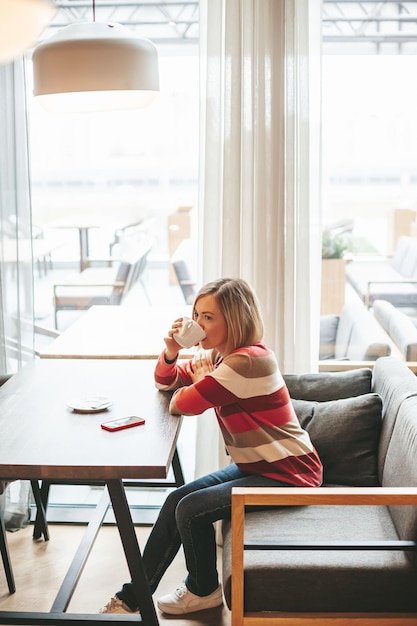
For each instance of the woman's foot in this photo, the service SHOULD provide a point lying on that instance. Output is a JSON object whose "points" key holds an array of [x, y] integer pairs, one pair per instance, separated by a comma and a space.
{"points": [[183, 601], [115, 605]]}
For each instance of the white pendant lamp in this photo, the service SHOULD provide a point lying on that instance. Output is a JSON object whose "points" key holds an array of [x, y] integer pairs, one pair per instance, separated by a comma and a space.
{"points": [[95, 66], [21, 23]]}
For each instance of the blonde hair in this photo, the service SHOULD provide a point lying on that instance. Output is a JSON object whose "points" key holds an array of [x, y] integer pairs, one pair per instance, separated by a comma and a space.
{"points": [[240, 307]]}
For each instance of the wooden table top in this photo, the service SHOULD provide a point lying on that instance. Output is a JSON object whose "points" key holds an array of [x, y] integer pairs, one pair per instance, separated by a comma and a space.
{"points": [[41, 437], [116, 332], [85, 221]]}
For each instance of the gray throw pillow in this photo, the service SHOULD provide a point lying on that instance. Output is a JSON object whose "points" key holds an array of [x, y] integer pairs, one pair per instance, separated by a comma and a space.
{"points": [[346, 436], [325, 386]]}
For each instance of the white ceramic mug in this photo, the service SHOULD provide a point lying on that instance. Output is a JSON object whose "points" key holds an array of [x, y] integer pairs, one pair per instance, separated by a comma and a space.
{"points": [[189, 334]]}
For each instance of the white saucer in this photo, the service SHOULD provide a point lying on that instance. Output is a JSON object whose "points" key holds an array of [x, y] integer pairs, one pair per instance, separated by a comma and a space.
{"points": [[90, 404]]}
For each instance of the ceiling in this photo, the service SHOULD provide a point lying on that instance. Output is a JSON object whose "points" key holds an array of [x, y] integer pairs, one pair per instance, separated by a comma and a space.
{"points": [[168, 22], [386, 27], [363, 27]]}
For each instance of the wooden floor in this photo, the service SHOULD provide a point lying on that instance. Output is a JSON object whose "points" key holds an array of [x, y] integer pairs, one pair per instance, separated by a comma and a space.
{"points": [[39, 568]]}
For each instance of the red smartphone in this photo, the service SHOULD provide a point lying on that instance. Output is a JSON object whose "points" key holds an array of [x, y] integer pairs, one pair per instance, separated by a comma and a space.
{"points": [[123, 422]]}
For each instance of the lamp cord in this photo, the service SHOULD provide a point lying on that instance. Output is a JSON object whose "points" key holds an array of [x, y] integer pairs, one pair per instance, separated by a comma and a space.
{"points": [[94, 10]]}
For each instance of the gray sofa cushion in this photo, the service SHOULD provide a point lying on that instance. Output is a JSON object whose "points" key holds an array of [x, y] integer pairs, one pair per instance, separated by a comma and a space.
{"points": [[329, 385], [367, 341], [346, 435], [292, 580]]}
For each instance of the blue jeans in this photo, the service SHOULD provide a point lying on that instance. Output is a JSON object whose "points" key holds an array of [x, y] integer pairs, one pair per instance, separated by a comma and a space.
{"points": [[186, 518]]}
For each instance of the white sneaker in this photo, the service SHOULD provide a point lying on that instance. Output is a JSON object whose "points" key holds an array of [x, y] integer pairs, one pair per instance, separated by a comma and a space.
{"points": [[116, 606], [182, 601]]}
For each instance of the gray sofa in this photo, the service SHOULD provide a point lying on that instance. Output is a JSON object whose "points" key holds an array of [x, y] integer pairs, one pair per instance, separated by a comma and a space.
{"points": [[364, 425], [399, 327], [353, 335], [393, 279]]}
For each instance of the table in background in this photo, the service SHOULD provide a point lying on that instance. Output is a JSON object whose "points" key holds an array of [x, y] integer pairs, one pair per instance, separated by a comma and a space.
{"points": [[85, 223], [42, 439], [116, 332], [26, 250]]}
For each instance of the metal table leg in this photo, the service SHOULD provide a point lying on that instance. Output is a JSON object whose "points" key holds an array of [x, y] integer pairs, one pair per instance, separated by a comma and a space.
{"points": [[132, 552], [58, 616], [41, 500], [6, 557]]}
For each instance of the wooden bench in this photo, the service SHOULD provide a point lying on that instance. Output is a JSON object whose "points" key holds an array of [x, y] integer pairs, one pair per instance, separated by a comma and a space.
{"points": [[344, 553]]}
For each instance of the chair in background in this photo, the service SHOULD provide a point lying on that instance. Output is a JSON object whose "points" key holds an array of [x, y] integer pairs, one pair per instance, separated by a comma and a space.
{"points": [[103, 285], [42, 527], [181, 261], [134, 230]]}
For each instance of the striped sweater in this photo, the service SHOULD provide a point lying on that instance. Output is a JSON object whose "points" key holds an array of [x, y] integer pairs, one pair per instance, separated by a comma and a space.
{"points": [[254, 411]]}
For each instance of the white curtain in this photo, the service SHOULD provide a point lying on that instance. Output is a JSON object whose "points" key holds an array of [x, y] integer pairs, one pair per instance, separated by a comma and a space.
{"points": [[260, 171], [16, 275]]}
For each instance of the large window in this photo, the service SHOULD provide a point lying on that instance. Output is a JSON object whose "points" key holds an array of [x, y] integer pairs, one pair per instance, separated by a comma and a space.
{"points": [[369, 182], [369, 145], [120, 169]]}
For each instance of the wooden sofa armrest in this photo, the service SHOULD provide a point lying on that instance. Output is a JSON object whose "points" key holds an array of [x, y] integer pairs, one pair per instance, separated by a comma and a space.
{"points": [[299, 496], [330, 365], [302, 496]]}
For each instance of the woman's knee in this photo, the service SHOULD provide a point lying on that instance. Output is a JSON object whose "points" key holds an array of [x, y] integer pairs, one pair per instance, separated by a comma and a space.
{"points": [[198, 508], [171, 501], [187, 508]]}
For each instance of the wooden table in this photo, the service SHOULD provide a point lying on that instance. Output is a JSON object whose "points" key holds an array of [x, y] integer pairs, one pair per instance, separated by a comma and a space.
{"points": [[26, 250], [116, 332], [41, 438]]}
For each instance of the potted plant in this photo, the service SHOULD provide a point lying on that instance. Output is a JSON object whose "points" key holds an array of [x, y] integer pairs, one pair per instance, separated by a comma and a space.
{"points": [[334, 246], [333, 272]]}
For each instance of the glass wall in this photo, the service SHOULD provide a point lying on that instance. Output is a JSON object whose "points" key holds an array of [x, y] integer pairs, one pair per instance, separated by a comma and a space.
{"points": [[116, 170], [369, 145], [133, 172]]}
